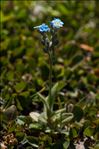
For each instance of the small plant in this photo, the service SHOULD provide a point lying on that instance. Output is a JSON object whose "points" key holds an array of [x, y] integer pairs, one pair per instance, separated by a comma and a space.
{"points": [[50, 119]]}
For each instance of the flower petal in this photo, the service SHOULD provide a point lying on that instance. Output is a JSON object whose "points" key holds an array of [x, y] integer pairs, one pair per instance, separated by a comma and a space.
{"points": [[43, 28], [57, 23]]}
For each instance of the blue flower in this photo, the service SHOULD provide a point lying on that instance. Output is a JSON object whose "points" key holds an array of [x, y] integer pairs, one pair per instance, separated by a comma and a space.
{"points": [[57, 23], [43, 28]]}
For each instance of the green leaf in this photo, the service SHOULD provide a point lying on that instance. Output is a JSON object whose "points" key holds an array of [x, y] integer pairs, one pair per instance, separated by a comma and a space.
{"points": [[10, 75], [18, 104], [5, 18], [55, 89], [68, 119], [44, 100], [20, 135], [20, 120], [40, 118], [66, 144], [60, 111], [78, 113], [43, 118], [88, 132], [32, 141], [62, 117], [34, 116], [19, 87], [73, 133], [36, 126], [25, 94]]}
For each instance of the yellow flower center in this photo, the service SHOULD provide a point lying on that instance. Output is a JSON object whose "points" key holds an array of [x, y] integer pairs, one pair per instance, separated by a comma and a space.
{"points": [[57, 23]]}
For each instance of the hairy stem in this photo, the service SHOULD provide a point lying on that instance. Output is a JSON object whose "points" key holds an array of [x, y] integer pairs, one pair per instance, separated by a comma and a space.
{"points": [[50, 79]]}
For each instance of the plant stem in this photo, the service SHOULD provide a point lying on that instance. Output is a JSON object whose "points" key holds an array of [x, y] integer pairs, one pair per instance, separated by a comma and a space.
{"points": [[50, 79]]}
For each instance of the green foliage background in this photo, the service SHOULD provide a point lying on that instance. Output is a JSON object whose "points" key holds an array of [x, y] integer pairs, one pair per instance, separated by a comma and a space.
{"points": [[25, 69]]}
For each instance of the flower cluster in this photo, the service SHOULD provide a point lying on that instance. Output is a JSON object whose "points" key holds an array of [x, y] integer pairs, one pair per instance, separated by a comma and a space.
{"points": [[43, 28], [55, 24], [49, 44]]}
